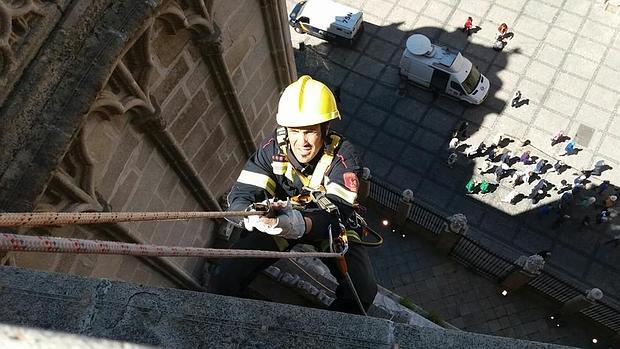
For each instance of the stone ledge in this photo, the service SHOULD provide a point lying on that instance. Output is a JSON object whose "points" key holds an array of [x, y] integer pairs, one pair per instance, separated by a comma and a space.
{"points": [[185, 319]]}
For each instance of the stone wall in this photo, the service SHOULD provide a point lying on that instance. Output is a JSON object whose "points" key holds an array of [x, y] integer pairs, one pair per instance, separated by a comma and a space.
{"points": [[156, 107], [169, 318]]}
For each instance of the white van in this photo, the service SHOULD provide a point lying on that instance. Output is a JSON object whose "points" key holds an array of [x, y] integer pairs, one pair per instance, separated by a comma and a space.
{"points": [[327, 20], [442, 70]]}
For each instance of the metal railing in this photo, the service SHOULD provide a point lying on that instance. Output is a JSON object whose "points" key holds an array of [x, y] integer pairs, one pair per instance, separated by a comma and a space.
{"points": [[554, 287], [483, 260], [473, 255], [383, 194]]}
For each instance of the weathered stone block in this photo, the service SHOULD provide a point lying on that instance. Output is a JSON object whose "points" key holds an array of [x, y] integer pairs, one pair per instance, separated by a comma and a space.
{"points": [[241, 18], [121, 155], [173, 76], [194, 111], [169, 180], [148, 180], [173, 106], [174, 202], [235, 55], [121, 195], [209, 148], [168, 46], [198, 76], [210, 169], [194, 140]]}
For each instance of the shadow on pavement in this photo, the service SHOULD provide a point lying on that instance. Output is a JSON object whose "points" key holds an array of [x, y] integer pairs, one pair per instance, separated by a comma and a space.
{"points": [[404, 139]]}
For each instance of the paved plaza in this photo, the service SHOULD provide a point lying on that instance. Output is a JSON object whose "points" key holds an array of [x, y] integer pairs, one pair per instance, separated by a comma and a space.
{"points": [[564, 58], [411, 267]]}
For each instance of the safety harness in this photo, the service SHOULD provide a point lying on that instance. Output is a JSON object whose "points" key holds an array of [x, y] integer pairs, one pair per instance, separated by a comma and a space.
{"points": [[315, 192]]}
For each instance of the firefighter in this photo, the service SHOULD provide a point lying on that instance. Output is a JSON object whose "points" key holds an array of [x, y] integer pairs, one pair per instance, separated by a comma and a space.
{"points": [[301, 155]]}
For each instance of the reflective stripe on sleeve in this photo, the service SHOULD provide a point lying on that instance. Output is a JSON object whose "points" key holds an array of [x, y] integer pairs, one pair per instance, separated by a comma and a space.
{"points": [[279, 167], [341, 192], [258, 180]]}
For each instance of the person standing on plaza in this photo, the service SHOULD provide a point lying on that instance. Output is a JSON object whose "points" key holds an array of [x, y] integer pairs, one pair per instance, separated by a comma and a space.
{"points": [[518, 178], [611, 201], [565, 199], [499, 173], [516, 99], [578, 181], [452, 158], [602, 217], [491, 153], [570, 148], [599, 167], [478, 151], [502, 30], [502, 34], [525, 157], [558, 166], [506, 155], [468, 25], [557, 138], [471, 185], [540, 166], [461, 131], [601, 188], [587, 202]]}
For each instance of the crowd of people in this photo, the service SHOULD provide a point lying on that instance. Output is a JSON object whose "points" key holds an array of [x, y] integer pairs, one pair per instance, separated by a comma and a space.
{"points": [[586, 199]]}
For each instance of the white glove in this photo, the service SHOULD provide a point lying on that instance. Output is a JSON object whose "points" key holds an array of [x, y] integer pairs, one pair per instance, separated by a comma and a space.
{"points": [[290, 223], [251, 222]]}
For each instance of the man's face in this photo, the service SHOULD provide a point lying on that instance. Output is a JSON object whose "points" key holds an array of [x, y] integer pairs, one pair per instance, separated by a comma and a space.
{"points": [[306, 142]]}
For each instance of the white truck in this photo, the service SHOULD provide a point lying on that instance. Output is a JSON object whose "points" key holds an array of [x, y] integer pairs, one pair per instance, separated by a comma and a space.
{"points": [[442, 70], [327, 20]]}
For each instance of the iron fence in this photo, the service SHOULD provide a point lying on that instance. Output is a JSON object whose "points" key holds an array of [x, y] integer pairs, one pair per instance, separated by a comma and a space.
{"points": [[473, 255], [480, 258], [554, 287], [381, 193]]}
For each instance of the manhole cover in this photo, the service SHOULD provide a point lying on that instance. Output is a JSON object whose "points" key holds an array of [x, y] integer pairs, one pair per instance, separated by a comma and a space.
{"points": [[584, 135]]}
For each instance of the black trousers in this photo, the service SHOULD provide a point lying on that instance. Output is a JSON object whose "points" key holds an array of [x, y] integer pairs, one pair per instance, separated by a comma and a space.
{"points": [[232, 276]]}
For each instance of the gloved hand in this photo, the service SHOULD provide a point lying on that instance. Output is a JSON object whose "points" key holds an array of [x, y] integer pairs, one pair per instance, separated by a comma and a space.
{"points": [[289, 223], [252, 222]]}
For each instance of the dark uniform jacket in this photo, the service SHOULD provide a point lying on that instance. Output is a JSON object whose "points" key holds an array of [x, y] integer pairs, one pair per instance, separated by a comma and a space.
{"points": [[270, 173]]}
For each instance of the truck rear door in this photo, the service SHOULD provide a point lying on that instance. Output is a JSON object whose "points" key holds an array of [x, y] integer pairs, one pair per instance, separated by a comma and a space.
{"points": [[439, 80]]}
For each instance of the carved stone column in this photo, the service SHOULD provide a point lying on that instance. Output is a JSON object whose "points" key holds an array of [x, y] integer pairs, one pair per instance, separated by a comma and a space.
{"points": [[582, 301], [453, 230], [404, 207], [211, 49], [530, 267], [274, 15]]}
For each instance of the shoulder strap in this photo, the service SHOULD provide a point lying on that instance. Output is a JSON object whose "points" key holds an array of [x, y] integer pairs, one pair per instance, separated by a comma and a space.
{"points": [[325, 162], [281, 139]]}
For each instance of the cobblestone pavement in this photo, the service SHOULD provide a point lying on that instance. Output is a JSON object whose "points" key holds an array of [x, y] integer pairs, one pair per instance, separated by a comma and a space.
{"points": [[411, 267], [564, 59]]}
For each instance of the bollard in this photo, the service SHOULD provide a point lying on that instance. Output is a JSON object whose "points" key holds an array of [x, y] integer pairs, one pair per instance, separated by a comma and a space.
{"points": [[364, 188], [528, 268], [455, 227], [404, 206], [582, 301]]}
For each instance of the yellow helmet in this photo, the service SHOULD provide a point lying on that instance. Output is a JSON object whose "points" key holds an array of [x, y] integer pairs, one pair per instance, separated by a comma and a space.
{"points": [[306, 102]]}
